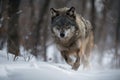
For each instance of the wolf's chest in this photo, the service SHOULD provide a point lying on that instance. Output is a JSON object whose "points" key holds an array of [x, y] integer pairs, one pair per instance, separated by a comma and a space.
{"points": [[72, 47]]}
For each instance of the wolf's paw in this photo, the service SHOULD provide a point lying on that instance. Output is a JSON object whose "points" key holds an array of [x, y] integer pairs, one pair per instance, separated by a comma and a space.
{"points": [[74, 67]]}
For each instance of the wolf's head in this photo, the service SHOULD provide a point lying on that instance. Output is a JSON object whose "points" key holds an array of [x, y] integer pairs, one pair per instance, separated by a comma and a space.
{"points": [[63, 23]]}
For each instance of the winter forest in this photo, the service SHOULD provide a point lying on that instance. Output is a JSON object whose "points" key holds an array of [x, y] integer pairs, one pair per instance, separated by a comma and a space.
{"points": [[25, 38]]}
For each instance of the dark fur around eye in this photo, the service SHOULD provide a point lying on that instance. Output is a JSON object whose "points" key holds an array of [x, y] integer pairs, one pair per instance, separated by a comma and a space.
{"points": [[57, 27], [68, 27]]}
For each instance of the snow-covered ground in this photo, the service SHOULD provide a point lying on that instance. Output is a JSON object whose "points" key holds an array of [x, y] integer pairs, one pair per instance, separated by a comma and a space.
{"points": [[36, 70]]}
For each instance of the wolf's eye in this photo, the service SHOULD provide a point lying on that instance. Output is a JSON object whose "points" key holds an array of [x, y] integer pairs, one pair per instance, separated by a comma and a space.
{"points": [[68, 27], [58, 28]]}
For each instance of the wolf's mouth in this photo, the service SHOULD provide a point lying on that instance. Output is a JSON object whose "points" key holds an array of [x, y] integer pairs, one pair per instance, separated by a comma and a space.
{"points": [[64, 39]]}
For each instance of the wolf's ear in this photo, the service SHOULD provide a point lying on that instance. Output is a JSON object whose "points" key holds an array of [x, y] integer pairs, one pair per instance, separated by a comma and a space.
{"points": [[53, 12], [71, 12]]}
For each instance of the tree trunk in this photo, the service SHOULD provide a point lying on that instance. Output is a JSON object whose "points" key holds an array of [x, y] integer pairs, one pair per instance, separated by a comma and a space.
{"points": [[13, 35], [39, 26], [117, 40], [3, 22]]}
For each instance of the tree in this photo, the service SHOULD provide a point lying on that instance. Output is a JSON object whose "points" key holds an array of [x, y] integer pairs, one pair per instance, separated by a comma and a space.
{"points": [[3, 22], [13, 35]]}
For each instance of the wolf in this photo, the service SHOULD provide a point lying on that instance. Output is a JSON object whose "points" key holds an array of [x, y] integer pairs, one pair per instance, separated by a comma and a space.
{"points": [[73, 36]]}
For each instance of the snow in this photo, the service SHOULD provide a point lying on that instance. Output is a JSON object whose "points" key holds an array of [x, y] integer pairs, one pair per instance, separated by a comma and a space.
{"points": [[47, 71], [99, 5], [37, 70]]}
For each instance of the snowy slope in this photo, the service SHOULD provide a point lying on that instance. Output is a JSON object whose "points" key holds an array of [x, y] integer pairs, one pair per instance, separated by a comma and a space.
{"points": [[47, 71], [34, 70]]}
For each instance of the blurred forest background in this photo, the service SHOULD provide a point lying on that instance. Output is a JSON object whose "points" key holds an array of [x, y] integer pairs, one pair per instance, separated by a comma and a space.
{"points": [[25, 24]]}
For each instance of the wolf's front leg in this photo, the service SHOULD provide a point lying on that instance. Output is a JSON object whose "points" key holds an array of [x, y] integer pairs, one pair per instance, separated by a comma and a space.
{"points": [[85, 61], [66, 57], [77, 62]]}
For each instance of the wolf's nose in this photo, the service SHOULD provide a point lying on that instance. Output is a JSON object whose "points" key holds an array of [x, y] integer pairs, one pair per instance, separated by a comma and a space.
{"points": [[62, 35]]}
